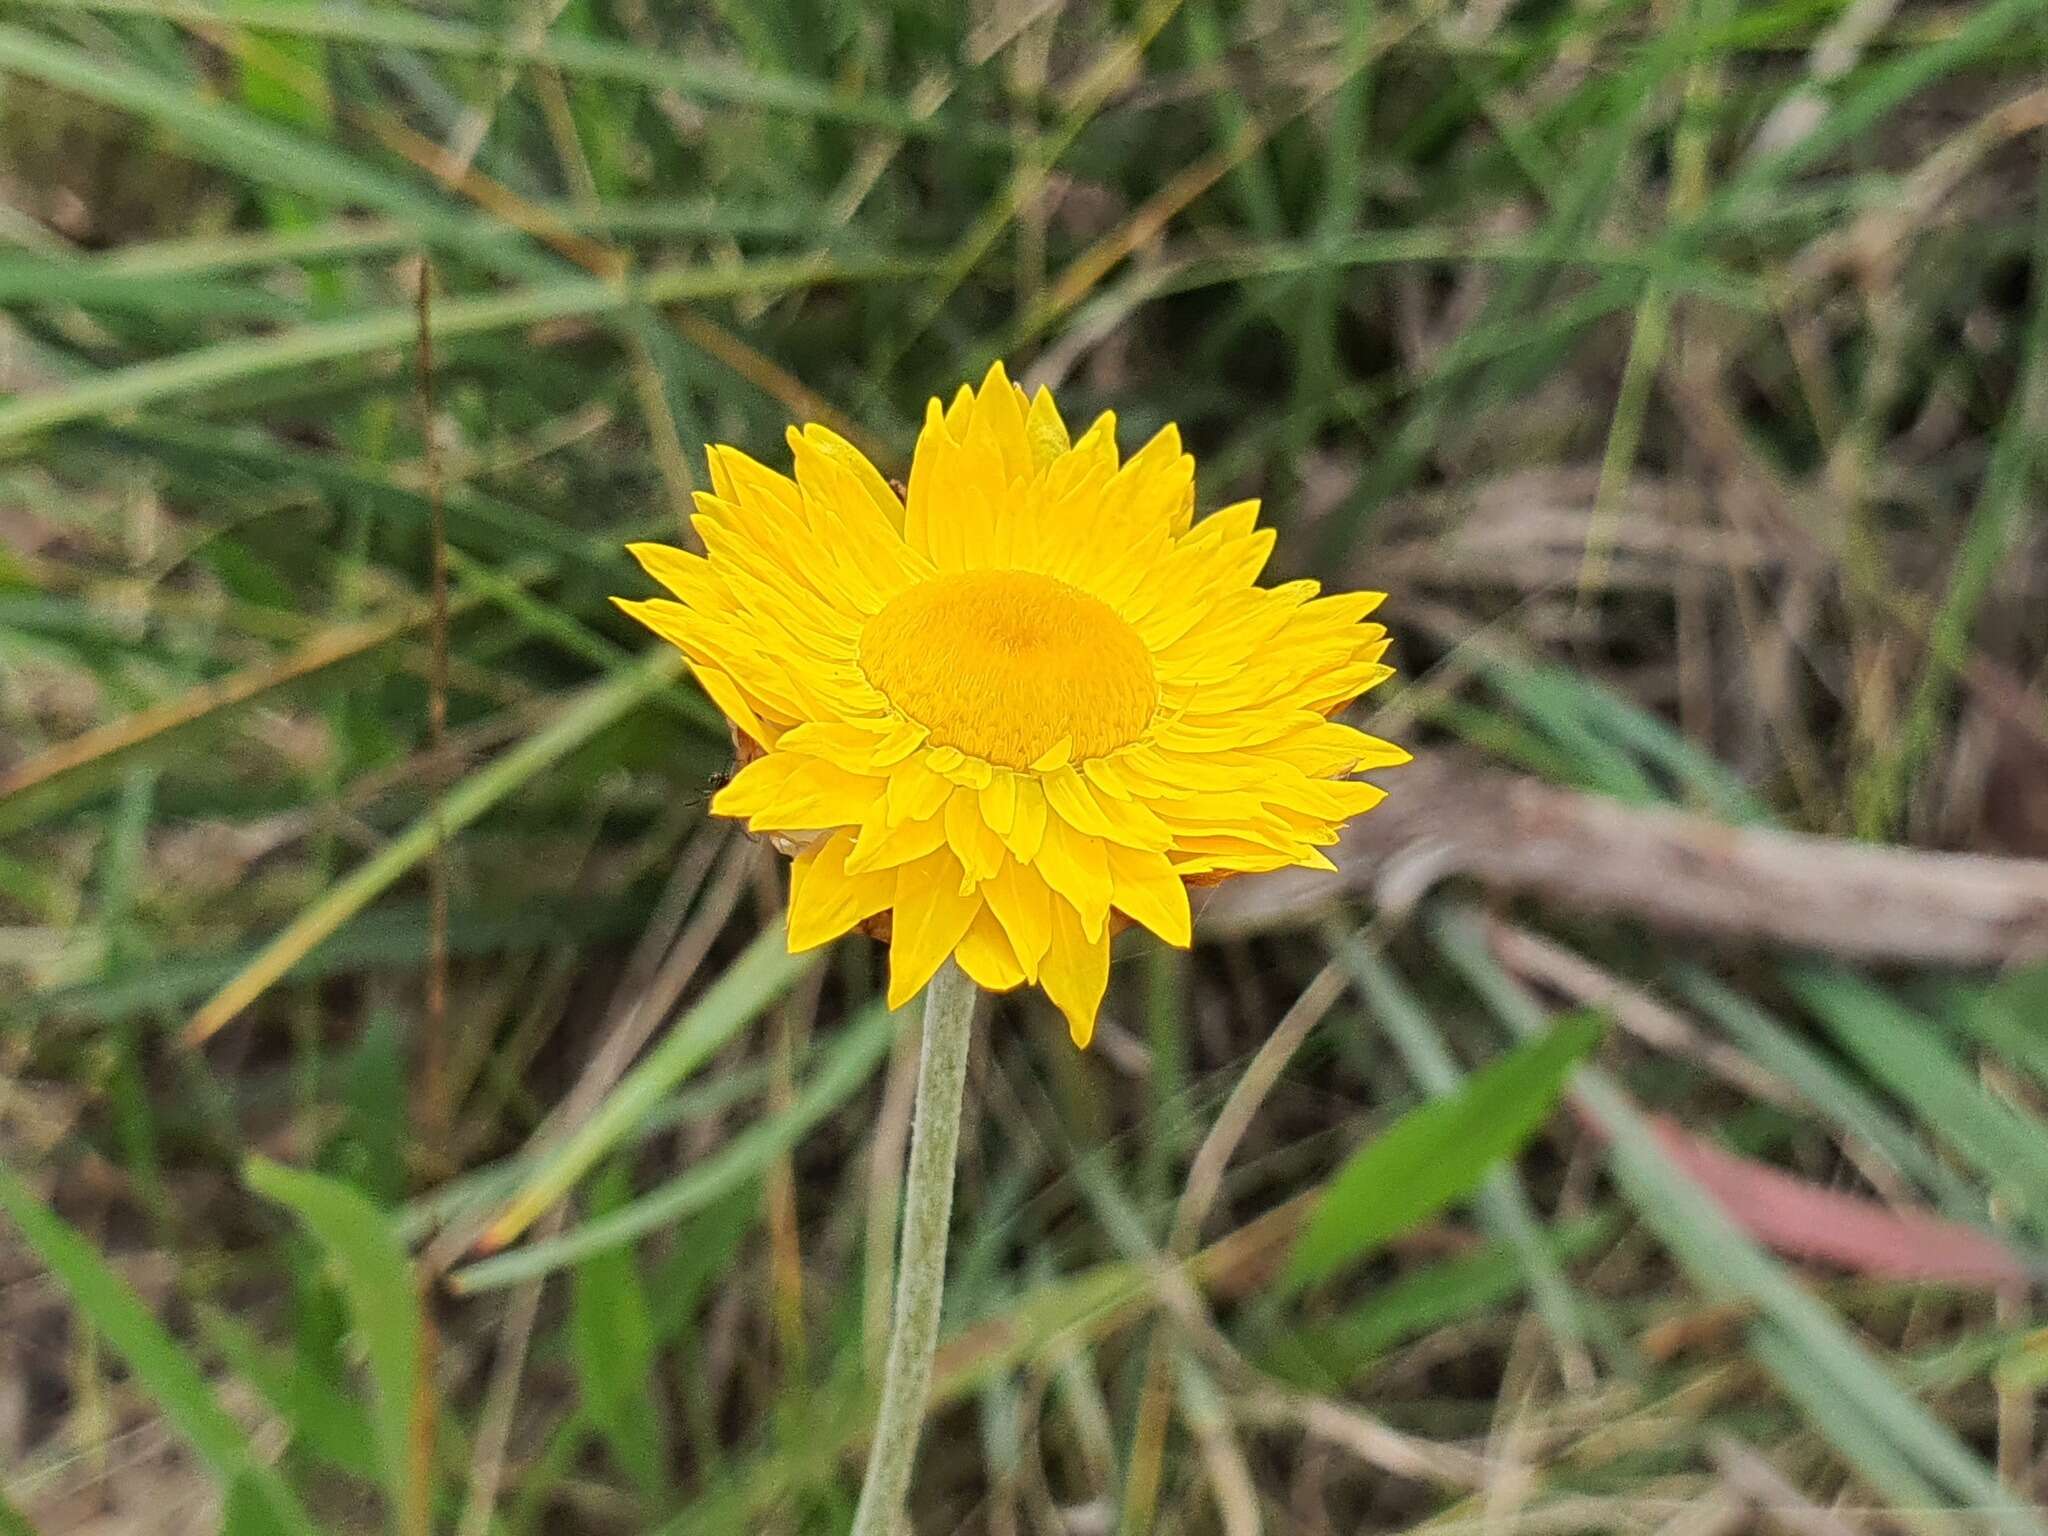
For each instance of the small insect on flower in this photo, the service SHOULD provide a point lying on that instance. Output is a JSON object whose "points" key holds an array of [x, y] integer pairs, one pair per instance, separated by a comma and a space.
{"points": [[1023, 701], [701, 798]]}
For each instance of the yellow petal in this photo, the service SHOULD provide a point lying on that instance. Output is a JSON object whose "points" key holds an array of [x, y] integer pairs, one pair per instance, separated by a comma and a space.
{"points": [[974, 843], [746, 482], [1058, 755], [720, 688], [915, 792], [961, 412], [859, 746], [1027, 831], [690, 577], [831, 448], [824, 900], [1073, 799], [1069, 798], [931, 917], [883, 843], [1022, 902], [1379, 754], [1100, 440], [1077, 868], [1147, 890], [785, 792], [1075, 973], [999, 802], [998, 429], [930, 460], [673, 622], [986, 956], [1046, 432]]}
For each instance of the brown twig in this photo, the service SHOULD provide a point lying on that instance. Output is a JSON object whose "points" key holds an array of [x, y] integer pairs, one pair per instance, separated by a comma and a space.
{"points": [[1669, 869]]}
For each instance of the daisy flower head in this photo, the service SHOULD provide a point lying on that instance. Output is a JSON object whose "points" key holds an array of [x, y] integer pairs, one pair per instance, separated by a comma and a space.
{"points": [[1022, 704]]}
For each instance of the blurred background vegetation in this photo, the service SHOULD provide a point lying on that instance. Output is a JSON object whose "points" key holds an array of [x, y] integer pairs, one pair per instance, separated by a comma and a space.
{"points": [[1676, 365]]}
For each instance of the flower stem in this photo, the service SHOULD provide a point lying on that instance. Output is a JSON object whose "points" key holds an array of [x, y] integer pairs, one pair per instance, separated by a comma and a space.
{"points": [[921, 1269]]}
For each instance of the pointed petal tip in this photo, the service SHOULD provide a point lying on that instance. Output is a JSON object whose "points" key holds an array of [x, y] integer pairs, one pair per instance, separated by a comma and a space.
{"points": [[648, 553], [804, 943], [903, 985]]}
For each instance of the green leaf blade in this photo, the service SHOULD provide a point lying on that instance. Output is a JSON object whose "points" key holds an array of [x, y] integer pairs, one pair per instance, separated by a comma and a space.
{"points": [[1438, 1153], [377, 1279]]}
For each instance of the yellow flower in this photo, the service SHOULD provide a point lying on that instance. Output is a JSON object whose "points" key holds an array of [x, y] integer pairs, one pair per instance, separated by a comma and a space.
{"points": [[1023, 702]]}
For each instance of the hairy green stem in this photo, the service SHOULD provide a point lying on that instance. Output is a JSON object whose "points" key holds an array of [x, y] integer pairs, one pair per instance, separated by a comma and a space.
{"points": [[921, 1268]]}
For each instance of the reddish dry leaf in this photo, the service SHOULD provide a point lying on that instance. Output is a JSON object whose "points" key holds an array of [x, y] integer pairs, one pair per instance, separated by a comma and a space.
{"points": [[1805, 1221]]}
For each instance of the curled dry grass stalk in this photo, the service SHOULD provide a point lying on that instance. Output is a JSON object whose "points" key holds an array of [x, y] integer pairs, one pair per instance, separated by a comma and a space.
{"points": [[1677, 369]]}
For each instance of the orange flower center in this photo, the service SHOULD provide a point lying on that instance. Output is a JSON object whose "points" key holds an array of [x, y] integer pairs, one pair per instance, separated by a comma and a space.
{"points": [[1006, 665]]}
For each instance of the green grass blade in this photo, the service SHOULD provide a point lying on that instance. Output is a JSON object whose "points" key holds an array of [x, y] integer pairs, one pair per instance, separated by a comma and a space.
{"points": [[1862, 1442], [180, 300], [1834, 1092], [1909, 1056], [724, 82], [162, 1366], [233, 138], [198, 256], [611, 1332], [235, 362], [384, 1302], [1327, 1353], [751, 983], [848, 1063], [325, 1423]]}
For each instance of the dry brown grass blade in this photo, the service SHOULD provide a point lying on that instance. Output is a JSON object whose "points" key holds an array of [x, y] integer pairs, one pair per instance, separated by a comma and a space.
{"points": [[594, 256], [436, 1101], [1748, 1474], [1554, 965], [1366, 1438], [451, 170], [603, 261], [1209, 1421], [610, 264], [131, 732], [501, 1398], [765, 374], [417, 1517], [1236, 1264], [1668, 869]]}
